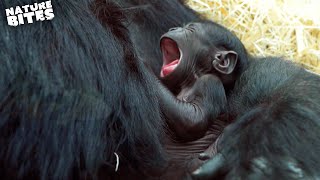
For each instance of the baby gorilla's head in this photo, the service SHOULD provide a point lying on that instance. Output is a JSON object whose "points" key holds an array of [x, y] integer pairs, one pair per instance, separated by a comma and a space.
{"points": [[197, 49]]}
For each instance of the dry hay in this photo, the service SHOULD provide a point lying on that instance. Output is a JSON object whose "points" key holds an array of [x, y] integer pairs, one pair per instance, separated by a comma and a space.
{"points": [[288, 28]]}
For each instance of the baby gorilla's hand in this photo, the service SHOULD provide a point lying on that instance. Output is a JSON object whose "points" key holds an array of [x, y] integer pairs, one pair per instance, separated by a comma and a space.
{"points": [[190, 115], [207, 96], [208, 92]]}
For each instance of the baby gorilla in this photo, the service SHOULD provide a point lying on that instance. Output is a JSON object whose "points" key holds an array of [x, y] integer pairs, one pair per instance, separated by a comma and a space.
{"points": [[273, 104], [187, 72], [188, 54]]}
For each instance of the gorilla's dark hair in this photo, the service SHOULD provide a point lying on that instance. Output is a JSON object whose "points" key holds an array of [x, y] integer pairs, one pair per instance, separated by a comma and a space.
{"points": [[73, 93]]}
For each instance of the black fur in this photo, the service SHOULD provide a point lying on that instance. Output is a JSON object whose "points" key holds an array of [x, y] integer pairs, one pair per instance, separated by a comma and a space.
{"points": [[148, 20], [274, 108], [277, 110], [73, 92]]}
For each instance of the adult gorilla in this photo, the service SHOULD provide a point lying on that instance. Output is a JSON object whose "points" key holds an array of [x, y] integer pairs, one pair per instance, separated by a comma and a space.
{"points": [[74, 97]]}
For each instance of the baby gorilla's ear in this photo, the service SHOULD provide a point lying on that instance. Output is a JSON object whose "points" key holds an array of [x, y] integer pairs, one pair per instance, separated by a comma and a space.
{"points": [[225, 61]]}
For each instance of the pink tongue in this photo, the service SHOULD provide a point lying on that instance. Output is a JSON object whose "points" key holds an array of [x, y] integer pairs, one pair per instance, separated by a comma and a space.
{"points": [[167, 69]]}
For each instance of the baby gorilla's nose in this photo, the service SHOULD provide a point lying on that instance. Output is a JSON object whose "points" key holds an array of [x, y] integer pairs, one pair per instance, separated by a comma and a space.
{"points": [[173, 29], [176, 29]]}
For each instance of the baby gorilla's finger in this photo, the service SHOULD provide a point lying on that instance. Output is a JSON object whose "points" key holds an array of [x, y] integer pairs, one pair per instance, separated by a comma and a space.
{"points": [[213, 168]]}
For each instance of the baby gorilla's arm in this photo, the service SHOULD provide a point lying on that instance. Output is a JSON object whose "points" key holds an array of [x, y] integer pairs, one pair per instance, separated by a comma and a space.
{"points": [[204, 101]]}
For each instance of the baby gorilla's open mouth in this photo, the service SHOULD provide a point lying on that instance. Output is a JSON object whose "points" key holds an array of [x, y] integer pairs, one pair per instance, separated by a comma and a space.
{"points": [[171, 56]]}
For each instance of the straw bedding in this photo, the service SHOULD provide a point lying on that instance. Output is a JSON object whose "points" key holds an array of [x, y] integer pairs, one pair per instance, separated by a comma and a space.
{"points": [[288, 28]]}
